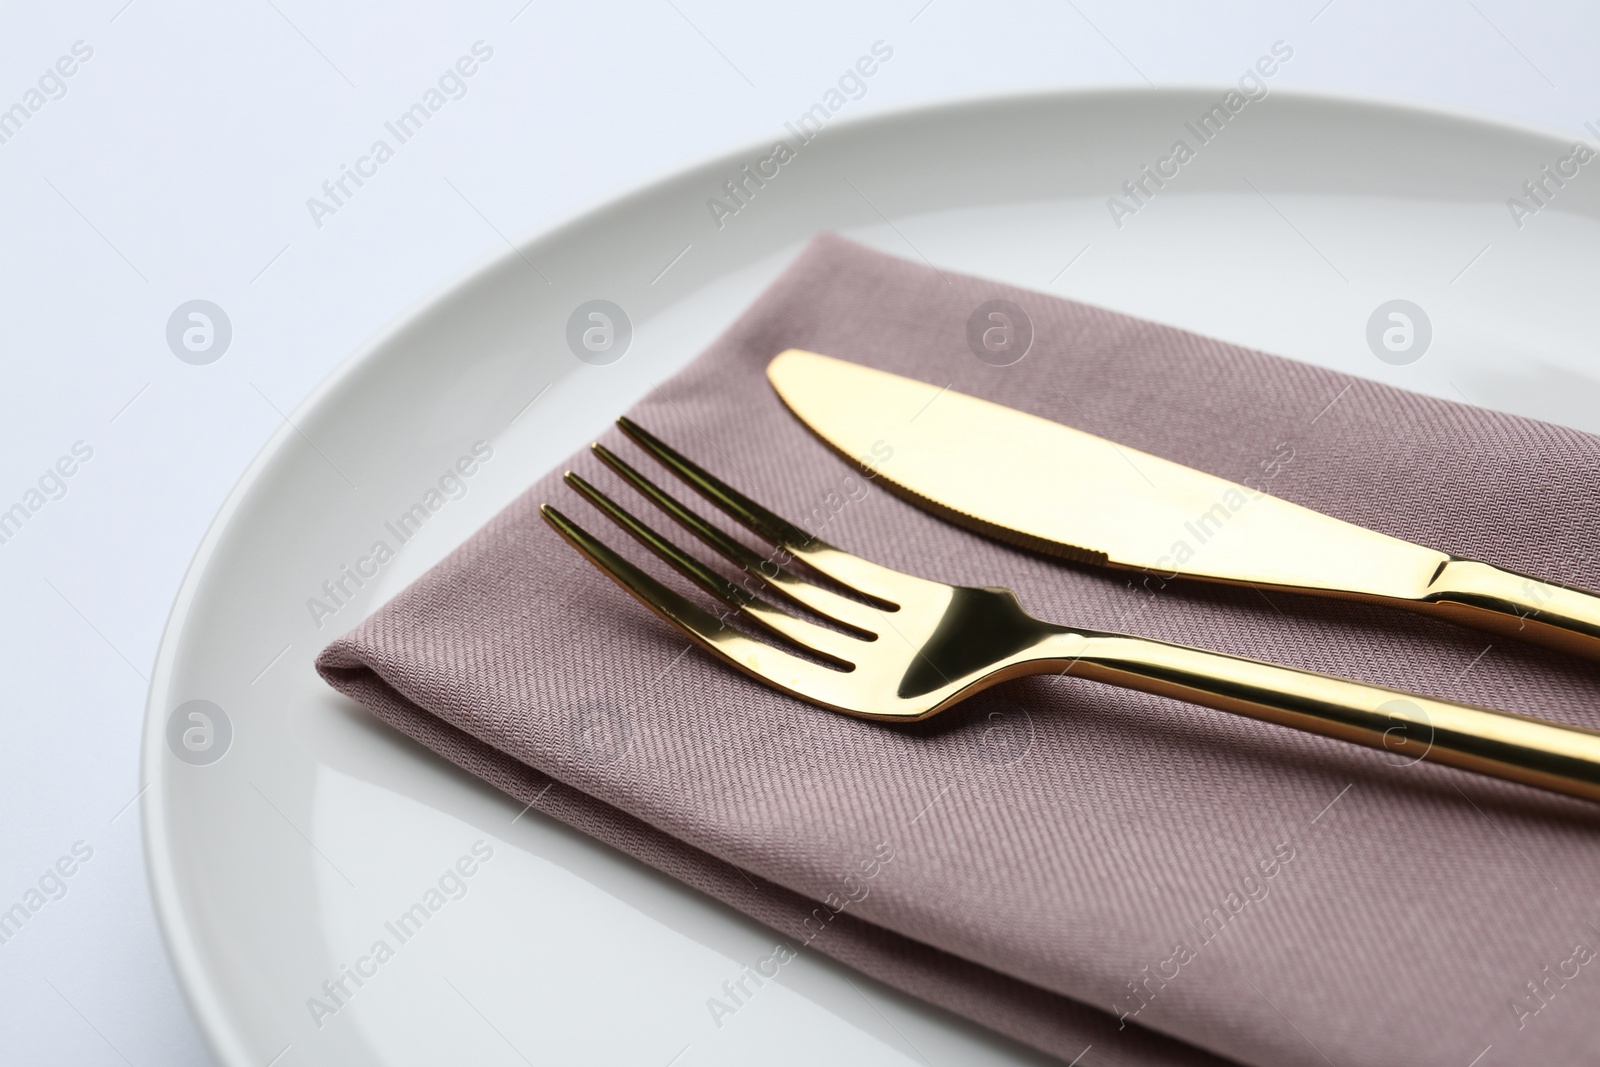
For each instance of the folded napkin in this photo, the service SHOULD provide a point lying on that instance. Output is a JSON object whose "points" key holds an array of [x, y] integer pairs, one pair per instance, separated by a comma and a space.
{"points": [[1067, 863]]}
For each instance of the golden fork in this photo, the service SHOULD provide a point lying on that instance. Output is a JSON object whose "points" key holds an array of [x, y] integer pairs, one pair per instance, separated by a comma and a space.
{"points": [[892, 646]]}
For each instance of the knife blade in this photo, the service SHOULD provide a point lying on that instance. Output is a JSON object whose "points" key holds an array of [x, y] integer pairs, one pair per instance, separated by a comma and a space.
{"points": [[1048, 487]]}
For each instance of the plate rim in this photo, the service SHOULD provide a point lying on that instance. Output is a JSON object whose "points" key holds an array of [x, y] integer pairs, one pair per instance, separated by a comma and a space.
{"points": [[210, 1009]]}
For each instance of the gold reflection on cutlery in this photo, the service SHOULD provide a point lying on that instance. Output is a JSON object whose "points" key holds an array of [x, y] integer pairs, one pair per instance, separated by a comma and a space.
{"points": [[1048, 487], [888, 645]]}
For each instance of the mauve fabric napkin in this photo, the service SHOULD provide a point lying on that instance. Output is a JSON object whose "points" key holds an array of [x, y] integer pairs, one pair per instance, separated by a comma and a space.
{"points": [[1068, 863]]}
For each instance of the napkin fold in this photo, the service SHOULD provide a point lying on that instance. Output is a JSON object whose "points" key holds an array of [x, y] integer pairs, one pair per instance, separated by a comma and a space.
{"points": [[1064, 862]]}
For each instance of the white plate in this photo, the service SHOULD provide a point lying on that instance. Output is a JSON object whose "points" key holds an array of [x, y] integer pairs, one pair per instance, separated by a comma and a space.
{"points": [[280, 862]]}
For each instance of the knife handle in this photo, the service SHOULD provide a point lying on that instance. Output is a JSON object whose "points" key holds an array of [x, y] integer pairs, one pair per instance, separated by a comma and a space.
{"points": [[1516, 605], [1536, 752]]}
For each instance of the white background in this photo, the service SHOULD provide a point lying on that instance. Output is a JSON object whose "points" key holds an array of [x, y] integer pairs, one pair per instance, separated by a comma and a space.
{"points": [[177, 166]]}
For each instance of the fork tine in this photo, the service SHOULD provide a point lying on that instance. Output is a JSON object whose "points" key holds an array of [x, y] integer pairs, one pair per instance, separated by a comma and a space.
{"points": [[763, 522], [860, 575], [848, 613], [768, 664], [687, 565], [817, 640]]}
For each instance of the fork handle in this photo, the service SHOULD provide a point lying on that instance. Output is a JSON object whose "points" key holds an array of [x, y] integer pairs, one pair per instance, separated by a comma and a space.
{"points": [[1565, 759]]}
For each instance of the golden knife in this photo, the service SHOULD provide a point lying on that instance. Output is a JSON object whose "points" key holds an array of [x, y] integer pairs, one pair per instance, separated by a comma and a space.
{"points": [[1036, 483]]}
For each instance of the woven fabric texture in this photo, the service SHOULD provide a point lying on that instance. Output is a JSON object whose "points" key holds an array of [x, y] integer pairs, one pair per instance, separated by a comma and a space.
{"points": [[1070, 863]]}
